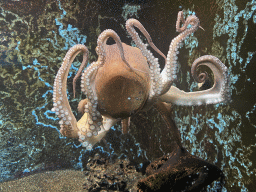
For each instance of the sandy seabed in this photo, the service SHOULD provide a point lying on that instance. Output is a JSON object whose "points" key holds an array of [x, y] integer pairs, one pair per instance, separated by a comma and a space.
{"points": [[60, 180]]}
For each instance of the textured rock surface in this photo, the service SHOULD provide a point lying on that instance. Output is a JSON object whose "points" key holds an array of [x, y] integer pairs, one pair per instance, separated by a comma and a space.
{"points": [[181, 171], [104, 176], [101, 175]]}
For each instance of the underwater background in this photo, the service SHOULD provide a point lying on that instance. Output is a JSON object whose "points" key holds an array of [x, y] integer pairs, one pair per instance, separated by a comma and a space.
{"points": [[34, 38]]}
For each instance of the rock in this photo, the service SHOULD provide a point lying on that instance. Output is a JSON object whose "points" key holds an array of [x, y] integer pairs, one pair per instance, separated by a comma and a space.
{"points": [[103, 175], [180, 171]]}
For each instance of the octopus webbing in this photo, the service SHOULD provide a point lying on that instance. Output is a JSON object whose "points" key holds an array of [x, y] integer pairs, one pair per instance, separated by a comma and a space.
{"points": [[125, 80]]}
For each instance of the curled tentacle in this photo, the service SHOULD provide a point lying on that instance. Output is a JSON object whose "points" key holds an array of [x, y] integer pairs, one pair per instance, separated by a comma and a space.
{"points": [[101, 47], [169, 73], [201, 77], [68, 123], [94, 118], [154, 65], [61, 105], [102, 42], [180, 18], [88, 135], [218, 93], [82, 66], [133, 22], [91, 126], [81, 106]]}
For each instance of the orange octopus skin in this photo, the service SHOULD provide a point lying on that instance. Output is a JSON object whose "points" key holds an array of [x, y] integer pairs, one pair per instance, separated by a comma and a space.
{"points": [[120, 91]]}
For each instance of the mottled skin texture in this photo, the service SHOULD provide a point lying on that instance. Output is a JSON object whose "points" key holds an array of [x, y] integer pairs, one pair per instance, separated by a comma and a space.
{"points": [[125, 80]]}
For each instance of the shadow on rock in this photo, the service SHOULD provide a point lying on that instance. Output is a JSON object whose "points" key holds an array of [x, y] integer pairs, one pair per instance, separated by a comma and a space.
{"points": [[179, 170]]}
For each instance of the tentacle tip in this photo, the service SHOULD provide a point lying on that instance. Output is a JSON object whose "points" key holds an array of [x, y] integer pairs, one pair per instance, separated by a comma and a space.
{"points": [[74, 89], [201, 28], [63, 132]]}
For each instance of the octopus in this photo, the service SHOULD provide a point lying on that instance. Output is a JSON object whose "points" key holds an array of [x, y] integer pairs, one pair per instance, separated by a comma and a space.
{"points": [[125, 80]]}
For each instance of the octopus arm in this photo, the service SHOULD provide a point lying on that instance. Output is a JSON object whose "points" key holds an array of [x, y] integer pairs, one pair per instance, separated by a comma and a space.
{"points": [[92, 127], [102, 43], [61, 105], [153, 62], [125, 125], [90, 141], [169, 73], [216, 94], [80, 70], [130, 24]]}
